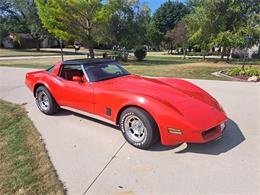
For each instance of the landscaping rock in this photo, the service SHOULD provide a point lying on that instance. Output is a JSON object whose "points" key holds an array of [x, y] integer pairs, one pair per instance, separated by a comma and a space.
{"points": [[252, 79]]}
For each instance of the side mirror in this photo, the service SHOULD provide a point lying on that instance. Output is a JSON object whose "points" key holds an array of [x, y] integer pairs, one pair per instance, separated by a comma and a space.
{"points": [[76, 78]]}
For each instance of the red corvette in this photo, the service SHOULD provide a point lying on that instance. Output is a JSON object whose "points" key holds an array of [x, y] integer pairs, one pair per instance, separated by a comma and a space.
{"points": [[146, 109]]}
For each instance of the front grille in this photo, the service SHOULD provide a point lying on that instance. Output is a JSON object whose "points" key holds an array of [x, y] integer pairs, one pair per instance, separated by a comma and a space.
{"points": [[210, 131]]}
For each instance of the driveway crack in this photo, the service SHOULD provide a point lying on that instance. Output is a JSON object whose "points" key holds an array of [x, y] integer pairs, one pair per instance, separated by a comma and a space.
{"points": [[100, 173]]}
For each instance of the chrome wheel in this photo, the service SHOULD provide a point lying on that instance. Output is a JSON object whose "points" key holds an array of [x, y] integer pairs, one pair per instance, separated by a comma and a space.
{"points": [[43, 100], [135, 128]]}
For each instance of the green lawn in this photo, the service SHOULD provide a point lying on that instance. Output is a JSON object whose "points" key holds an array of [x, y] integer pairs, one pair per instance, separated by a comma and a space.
{"points": [[180, 71], [44, 52], [248, 62], [35, 63], [164, 66], [32, 52], [25, 167], [213, 60]]}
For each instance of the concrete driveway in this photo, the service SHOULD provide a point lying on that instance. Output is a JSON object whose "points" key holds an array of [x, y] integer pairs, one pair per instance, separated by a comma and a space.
{"points": [[91, 157]]}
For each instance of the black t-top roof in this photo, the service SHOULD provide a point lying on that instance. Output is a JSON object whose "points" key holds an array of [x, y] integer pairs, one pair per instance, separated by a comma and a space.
{"points": [[87, 61]]}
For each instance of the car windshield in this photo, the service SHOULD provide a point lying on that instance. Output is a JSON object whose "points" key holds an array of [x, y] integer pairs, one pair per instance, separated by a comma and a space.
{"points": [[104, 71]]}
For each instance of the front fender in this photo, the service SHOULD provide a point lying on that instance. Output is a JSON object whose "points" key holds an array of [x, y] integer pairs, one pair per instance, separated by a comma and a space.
{"points": [[165, 114]]}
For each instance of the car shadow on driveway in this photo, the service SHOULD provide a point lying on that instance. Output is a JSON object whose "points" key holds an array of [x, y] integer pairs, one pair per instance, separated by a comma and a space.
{"points": [[231, 138], [64, 112]]}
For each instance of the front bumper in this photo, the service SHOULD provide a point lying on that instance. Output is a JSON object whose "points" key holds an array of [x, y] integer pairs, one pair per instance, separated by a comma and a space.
{"points": [[202, 136]]}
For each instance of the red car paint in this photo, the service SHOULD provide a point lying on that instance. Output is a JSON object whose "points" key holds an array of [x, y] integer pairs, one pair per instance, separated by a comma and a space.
{"points": [[173, 103]]}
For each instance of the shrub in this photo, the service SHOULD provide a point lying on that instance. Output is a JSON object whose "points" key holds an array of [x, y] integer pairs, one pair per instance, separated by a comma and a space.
{"points": [[247, 72], [118, 56], [140, 54], [234, 71], [121, 56]]}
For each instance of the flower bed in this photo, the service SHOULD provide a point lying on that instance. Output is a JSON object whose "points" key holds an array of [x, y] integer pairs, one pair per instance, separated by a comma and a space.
{"points": [[243, 74]]}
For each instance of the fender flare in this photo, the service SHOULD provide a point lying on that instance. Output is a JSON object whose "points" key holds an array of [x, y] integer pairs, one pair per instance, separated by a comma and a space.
{"points": [[38, 84]]}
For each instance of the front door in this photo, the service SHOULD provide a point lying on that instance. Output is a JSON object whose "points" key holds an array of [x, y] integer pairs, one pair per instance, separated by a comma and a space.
{"points": [[75, 94]]}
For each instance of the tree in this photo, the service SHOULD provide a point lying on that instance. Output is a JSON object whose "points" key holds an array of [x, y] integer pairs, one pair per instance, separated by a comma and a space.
{"points": [[129, 23], [222, 23], [155, 36], [79, 20], [29, 12], [198, 32], [165, 18], [22, 16], [178, 37], [9, 20]]}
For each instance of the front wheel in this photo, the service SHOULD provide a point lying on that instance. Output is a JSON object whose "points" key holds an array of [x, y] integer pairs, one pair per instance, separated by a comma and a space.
{"points": [[138, 127], [45, 102]]}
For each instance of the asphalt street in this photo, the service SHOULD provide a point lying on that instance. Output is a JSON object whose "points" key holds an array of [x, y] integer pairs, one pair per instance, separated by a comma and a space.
{"points": [[92, 157]]}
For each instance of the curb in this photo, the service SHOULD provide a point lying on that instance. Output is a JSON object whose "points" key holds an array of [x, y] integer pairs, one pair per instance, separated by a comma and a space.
{"points": [[221, 74]]}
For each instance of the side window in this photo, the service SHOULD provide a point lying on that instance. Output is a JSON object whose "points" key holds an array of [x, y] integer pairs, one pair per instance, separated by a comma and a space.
{"points": [[68, 71]]}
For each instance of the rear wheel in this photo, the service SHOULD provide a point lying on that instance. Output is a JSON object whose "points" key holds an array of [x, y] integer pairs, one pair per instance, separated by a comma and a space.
{"points": [[138, 127], [45, 102]]}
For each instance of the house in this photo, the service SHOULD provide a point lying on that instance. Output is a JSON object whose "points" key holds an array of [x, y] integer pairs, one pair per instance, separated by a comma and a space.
{"points": [[250, 52], [25, 40]]}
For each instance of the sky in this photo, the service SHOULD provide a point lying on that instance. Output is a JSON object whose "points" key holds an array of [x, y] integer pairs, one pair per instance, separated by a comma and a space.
{"points": [[154, 4]]}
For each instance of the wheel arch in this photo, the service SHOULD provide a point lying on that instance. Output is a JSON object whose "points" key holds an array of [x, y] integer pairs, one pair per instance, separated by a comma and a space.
{"points": [[135, 106], [124, 108], [139, 107], [38, 85]]}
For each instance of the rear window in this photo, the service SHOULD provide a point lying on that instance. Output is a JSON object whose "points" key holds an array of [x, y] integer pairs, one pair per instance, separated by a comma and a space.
{"points": [[71, 67], [50, 69]]}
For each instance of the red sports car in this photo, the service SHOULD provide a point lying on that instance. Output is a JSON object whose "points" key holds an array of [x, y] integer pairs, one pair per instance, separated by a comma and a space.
{"points": [[146, 109]]}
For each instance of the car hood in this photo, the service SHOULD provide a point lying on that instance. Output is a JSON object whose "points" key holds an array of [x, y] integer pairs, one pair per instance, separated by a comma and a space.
{"points": [[174, 91], [189, 100]]}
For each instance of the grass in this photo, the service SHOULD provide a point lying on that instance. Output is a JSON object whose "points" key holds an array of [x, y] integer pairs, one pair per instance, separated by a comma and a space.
{"points": [[32, 52], [35, 63], [248, 62], [165, 66], [24, 164], [176, 67], [43, 52], [188, 70]]}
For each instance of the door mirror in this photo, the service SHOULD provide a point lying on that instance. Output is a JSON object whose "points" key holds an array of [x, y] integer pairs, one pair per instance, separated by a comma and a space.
{"points": [[76, 78]]}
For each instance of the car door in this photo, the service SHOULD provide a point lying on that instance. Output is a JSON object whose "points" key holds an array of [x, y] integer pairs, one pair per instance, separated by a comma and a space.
{"points": [[74, 94]]}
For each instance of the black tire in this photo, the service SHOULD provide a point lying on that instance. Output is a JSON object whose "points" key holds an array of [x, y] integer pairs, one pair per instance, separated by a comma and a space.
{"points": [[52, 107], [149, 137]]}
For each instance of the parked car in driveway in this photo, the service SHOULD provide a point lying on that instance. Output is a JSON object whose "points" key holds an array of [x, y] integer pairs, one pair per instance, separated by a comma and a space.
{"points": [[146, 109]]}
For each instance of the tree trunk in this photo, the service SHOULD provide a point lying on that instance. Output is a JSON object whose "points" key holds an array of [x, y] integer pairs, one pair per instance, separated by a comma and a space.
{"points": [[223, 53], [91, 52], [38, 44], [184, 53], [228, 53], [204, 55], [171, 49]]}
